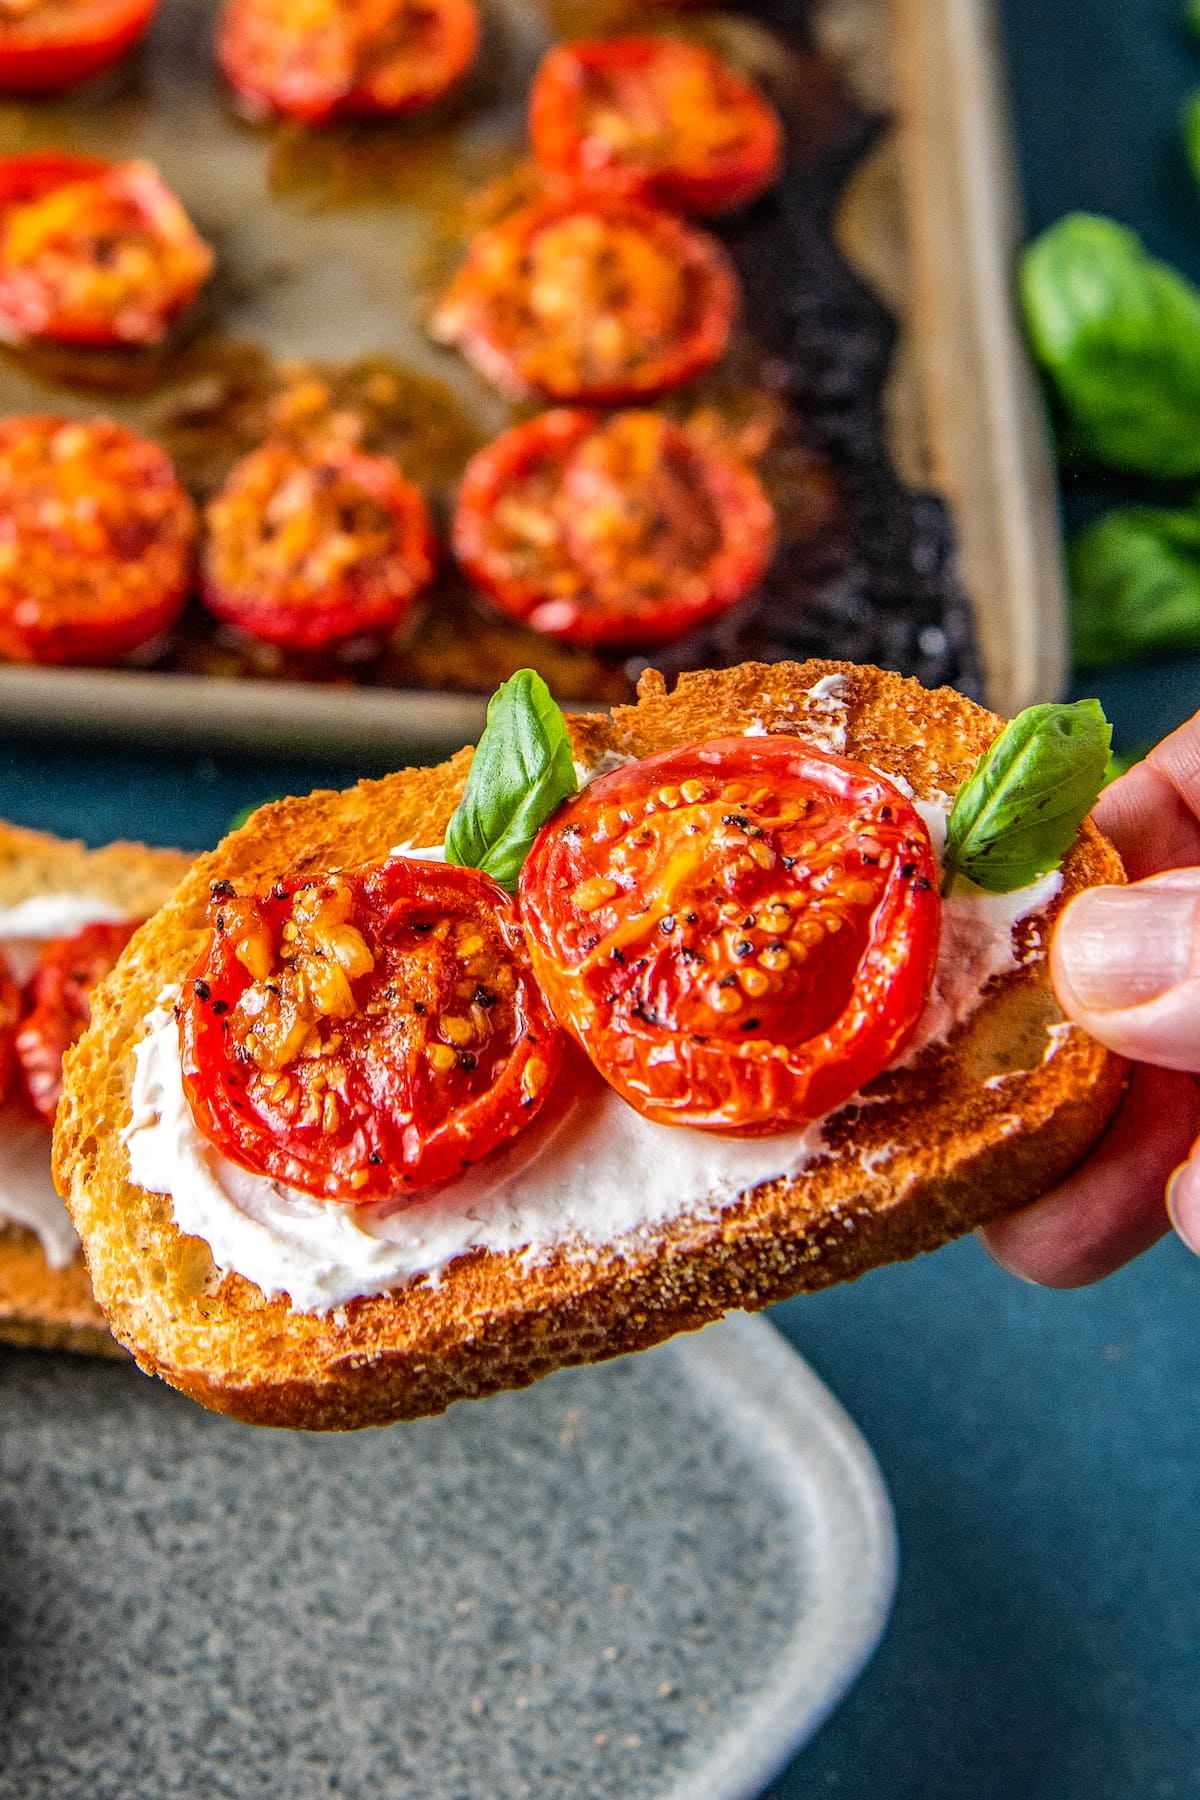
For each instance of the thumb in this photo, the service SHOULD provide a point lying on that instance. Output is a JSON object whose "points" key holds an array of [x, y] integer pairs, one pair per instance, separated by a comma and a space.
{"points": [[1125, 963], [1183, 1200]]}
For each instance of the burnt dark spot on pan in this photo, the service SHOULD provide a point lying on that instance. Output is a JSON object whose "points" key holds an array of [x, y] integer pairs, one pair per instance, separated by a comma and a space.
{"points": [[865, 568], [881, 587]]}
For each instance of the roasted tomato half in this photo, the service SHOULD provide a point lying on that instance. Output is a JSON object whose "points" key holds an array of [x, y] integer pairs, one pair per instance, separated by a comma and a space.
{"points": [[10, 1016], [365, 1033], [308, 546], [595, 298], [739, 933], [60, 1008], [658, 116], [93, 252], [49, 45], [96, 539], [617, 531], [326, 59]]}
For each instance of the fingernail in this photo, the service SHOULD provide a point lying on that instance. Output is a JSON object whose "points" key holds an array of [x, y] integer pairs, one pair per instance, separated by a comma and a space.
{"points": [[1121, 947], [1183, 1204]]}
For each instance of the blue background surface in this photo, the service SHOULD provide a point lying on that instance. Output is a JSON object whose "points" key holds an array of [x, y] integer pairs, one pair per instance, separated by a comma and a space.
{"points": [[1043, 1450]]}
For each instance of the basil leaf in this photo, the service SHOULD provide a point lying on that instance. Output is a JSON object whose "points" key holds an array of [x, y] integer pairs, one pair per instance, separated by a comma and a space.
{"points": [[245, 812], [1189, 129], [1118, 334], [1016, 817], [1134, 579], [521, 771], [1121, 761], [1191, 18]]}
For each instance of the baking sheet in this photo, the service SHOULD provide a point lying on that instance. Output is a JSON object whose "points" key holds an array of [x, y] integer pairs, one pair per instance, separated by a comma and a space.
{"points": [[333, 244], [650, 1578]]}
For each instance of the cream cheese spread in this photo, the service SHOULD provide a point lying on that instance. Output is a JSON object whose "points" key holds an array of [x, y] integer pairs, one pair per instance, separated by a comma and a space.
{"points": [[27, 1195], [589, 1180], [821, 718], [976, 941], [824, 718], [593, 1178], [24, 928]]}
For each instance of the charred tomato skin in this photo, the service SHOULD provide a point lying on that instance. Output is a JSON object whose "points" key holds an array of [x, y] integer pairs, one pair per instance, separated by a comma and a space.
{"points": [[65, 221], [711, 141], [393, 1040], [352, 72], [740, 933], [671, 300], [251, 579], [112, 567], [59, 1010], [61, 43], [569, 584]]}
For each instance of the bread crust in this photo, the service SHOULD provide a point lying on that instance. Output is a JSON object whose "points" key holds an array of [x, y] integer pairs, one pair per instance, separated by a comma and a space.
{"points": [[55, 1308], [973, 1151]]}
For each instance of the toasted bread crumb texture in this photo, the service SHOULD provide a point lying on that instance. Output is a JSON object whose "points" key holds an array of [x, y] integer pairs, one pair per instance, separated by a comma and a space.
{"points": [[54, 1308], [50, 1308], [945, 1154]]}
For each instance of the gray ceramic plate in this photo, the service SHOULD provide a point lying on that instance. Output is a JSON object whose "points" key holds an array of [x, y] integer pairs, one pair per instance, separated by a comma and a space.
{"points": [[653, 1578]]}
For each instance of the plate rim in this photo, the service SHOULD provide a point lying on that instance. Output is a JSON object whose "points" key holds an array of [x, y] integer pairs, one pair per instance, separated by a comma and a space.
{"points": [[784, 1415]]}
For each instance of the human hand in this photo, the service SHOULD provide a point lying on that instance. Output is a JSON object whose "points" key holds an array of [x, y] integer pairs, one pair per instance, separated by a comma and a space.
{"points": [[1125, 963]]}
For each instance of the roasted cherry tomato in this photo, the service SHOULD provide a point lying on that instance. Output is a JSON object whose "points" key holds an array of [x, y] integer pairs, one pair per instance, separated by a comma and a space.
{"points": [[655, 115], [327, 59], [10, 1016], [618, 531], [590, 298], [96, 540], [93, 252], [310, 546], [360, 1034], [60, 1007], [740, 933], [49, 45]]}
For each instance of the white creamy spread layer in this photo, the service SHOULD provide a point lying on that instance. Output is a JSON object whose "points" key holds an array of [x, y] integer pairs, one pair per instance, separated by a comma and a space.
{"points": [[590, 1179], [976, 941], [27, 1192], [27, 1195], [24, 928], [593, 1177], [822, 721]]}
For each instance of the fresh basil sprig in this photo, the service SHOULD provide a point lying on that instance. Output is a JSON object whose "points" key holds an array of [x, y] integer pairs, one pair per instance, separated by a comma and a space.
{"points": [[1135, 585], [247, 812], [1016, 817], [1118, 334], [522, 770]]}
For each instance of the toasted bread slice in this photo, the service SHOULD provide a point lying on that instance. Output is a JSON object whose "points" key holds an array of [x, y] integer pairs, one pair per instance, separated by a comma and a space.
{"points": [[41, 1305], [957, 1151]]}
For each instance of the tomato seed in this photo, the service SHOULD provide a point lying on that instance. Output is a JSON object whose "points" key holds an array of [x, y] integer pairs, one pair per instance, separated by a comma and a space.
{"points": [[593, 893]]}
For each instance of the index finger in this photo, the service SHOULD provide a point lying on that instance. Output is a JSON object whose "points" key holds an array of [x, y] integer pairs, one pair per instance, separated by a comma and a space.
{"points": [[1152, 814]]}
